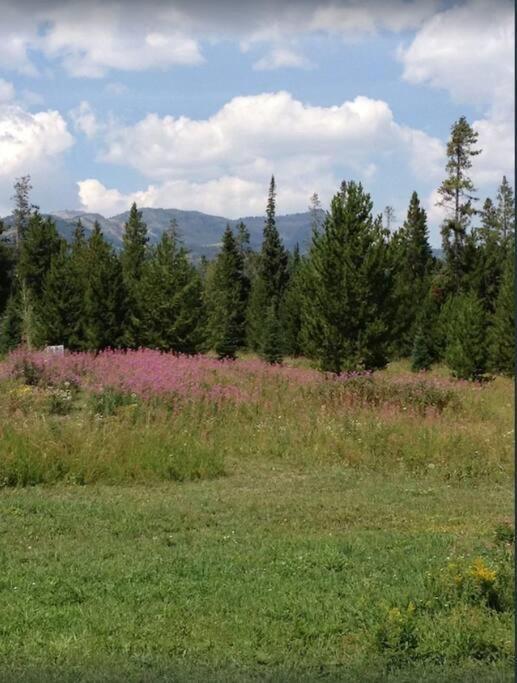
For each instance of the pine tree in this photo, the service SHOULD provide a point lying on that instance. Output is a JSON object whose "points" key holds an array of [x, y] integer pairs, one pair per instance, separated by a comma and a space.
{"points": [[466, 352], [347, 287], [291, 310], [413, 264], [503, 331], [133, 255], [63, 302], [40, 243], [422, 354], [22, 208], [273, 341], [174, 318], [105, 298], [485, 253], [456, 196], [228, 298], [506, 210], [270, 282]]}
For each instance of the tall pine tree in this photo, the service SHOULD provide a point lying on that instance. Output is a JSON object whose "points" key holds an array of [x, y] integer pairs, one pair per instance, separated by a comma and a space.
{"points": [[348, 286], [174, 314], [269, 284], [456, 196], [413, 264], [132, 257], [105, 297], [228, 299]]}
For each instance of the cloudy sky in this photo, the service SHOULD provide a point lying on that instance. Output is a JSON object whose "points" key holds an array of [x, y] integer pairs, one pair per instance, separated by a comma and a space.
{"points": [[193, 105]]}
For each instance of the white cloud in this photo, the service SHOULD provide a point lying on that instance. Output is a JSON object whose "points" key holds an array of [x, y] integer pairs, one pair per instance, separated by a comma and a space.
{"points": [[91, 39], [28, 140], [250, 135], [281, 58], [467, 50], [222, 164], [227, 196], [6, 90], [84, 119]]}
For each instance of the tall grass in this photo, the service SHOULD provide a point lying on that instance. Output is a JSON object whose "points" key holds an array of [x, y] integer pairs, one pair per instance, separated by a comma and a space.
{"points": [[204, 417]]}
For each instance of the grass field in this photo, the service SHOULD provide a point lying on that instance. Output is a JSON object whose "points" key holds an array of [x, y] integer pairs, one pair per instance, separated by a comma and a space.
{"points": [[254, 524]]}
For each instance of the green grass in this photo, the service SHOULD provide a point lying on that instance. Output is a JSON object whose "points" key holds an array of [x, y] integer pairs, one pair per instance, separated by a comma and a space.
{"points": [[307, 538]]}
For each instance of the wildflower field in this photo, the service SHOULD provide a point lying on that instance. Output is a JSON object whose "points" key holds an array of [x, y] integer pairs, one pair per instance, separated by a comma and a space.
{"points": [[188, 519]]}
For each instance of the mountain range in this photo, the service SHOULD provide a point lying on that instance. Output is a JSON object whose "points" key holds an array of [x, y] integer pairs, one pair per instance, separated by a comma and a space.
{"points": [[201, 233]]}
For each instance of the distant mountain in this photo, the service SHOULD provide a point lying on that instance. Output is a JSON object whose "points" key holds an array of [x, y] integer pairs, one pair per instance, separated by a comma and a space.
{"points": [[201, 233]]}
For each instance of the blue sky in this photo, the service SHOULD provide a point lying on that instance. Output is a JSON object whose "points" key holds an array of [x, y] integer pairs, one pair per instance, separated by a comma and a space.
{"points": [[177, 105]]}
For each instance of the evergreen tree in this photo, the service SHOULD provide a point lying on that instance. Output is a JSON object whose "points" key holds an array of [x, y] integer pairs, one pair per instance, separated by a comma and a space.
{"points": [[348, 286], [11, 322], [228, 298], [41, 242], [132, 258], [291, 311], [466, 352], [413, 264], [503, 331], [456, 196], [270, 282], [63, 302], [273, 341], [22, 208], [174, 318], [506, 210], [485, 257], [422, 354], [105, 298], [6, 271], [39, 245]]}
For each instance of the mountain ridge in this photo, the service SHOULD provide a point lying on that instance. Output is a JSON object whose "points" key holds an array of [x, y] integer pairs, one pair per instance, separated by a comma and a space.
{"points": [[200, 232]]}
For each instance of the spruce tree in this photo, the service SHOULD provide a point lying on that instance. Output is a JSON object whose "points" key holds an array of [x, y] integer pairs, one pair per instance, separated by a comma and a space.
{"points": [[413, 265], [40, 244], [347, 287], [174, 313], [506, 210], [133, 255], [63, 302], [466, 350], [503, 331], [105, 298], [270, 282], [456, 196], [228, 298]]}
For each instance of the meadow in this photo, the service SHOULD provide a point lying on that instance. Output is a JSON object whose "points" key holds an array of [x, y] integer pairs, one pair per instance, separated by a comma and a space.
{"points": [[182, 518]]}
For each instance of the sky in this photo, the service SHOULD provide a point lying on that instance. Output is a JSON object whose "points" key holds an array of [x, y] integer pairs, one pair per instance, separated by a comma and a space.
{"points": [[194, 105]]}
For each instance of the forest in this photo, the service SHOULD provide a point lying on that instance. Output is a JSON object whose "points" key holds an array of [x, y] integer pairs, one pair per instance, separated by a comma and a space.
{"points": [[362, 296]]}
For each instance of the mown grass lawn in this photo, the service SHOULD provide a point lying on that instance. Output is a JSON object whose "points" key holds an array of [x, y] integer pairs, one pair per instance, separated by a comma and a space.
{"points": [[281, 568]]}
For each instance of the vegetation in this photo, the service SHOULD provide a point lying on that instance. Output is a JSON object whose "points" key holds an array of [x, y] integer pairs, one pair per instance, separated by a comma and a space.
{"points": [[185, 526], [175, 508]]}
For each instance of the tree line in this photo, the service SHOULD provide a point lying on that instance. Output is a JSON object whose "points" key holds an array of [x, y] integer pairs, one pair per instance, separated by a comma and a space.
{"points": [[361, 296]]}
